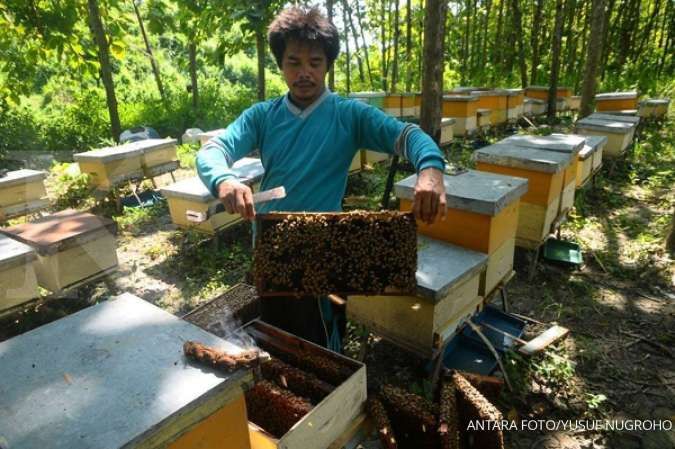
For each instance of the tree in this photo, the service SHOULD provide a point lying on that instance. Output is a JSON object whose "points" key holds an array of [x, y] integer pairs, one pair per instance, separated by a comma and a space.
{"points": [[331, 73], [555, 62], [517, 22], [432, 72], [594, 52], [534, 40], [148, 49]]}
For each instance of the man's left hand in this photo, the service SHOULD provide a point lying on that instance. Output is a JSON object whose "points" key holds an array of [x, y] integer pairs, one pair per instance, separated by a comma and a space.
{"points": [[429, 203]]}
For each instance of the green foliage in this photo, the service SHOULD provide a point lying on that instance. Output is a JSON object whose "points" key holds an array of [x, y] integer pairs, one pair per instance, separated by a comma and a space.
{"points": [[134, 218], [68, 188], [187, 154]]}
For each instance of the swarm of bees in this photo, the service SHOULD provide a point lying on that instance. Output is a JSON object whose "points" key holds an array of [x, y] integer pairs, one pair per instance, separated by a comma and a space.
{"points": [[219, 360], [385, 432], [447, 417], [299, 382], [472, 405], [273, 408], [353, 253]]}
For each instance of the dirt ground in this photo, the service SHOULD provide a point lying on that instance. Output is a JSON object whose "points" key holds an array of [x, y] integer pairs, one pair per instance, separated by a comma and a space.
{"points": [[618, 361]]}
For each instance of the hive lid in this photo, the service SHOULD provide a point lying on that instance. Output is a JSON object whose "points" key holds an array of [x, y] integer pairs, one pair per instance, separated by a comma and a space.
{"points": [[471, 190], [465, 89], [148, 145], [441, 266], [534, 100], [545, 88], [490, 93], [592, 144], [12, 252], [108, 154], [514, 91], [47, 233], [460, 98], [617, 95], [249, 170], [619, 118], [367, 94], [447, 121], [604, 125], [524, 158], [23, 176], [565, 143], [110, 376], [656, 102]]}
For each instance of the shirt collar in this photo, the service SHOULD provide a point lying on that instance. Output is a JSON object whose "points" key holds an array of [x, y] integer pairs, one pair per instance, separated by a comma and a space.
{"points": [[304, 113]]}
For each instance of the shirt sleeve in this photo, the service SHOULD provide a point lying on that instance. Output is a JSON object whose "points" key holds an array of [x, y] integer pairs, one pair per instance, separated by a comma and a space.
{"points": [[380, 132], [216, 157]]}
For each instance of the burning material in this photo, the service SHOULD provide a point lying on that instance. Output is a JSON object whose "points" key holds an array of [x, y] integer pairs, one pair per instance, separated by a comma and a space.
{"points": [[218, 359], [299, 382], [274, 409], [342, 253], [448, 419], [471, 406], [384, 429]]}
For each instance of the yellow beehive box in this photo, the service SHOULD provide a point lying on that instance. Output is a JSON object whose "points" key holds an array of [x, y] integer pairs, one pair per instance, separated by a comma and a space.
{"points": [[564, 143], [495, 100], [208, 135], [22, 192], [514, 104], [482, 215], [191, 195], [590, 159], [616, 101], [463, 109], [355, 165], [544, 171], [447, 127], [654, 108], [375, 157], [484, 118], [448, 280], [400, 105], [109, 167], [619, 134], [72, 247], [118, 368], [541, 92], [156, 153], [18, 283]]}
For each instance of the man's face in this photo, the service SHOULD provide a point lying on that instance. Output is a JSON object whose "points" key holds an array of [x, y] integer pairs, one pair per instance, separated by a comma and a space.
{"points": [[304, 66]]}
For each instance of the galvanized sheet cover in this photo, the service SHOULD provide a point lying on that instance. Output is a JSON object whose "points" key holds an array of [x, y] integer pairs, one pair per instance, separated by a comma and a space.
{"points": [[616, 95], [13, 252], [565, 143], [605, 125], [23, 176], [524, 158]]}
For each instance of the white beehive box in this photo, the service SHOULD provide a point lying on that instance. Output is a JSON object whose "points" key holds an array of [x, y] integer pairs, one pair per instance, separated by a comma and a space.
{"points": [[18, 283], [22, 192]]}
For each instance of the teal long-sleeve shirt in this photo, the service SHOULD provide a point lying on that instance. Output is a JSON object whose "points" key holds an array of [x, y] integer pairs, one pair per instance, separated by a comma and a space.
{"points": [[309, 151]]}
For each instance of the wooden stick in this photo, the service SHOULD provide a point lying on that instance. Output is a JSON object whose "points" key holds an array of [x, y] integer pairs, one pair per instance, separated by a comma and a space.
{"points": [[487, 342]]}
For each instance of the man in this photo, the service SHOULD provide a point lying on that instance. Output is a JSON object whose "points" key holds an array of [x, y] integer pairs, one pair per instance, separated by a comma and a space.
{"points": [[307, 140]]}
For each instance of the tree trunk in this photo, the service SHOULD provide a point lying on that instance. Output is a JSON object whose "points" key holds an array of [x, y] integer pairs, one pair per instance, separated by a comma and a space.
{"points": [[96, 26], [365, 45], [670, 241], [484, 43], [383, 38], [408, 46], [153, 61], [467, 37], [517, 19], [592, 58], [555, 62], [570, 12], [260, 50], [648, 30], [585, 37], [331, 73], [534, 41], [348, 64], [192, 50], [605, 39], [420, 54], [394, 68], [432, 73], [497, 55], [349, 21]]}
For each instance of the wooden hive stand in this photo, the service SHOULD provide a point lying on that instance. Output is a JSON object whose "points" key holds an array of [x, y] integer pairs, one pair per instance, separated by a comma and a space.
{"points": [[18, 283], [113, 375], [448, 282], [463, 109], [617, 101], [482, 215], [73, 248], [22, 192], [191, 195]]}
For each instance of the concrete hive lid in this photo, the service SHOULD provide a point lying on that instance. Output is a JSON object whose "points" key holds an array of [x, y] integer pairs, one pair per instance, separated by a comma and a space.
{"points": [[249, 170], [619, 118], [464, 89], [524, 158], [472, 190], [545, 88], [534, 100], [13, 252], [591, 146], [108, 154], [605, 125], [566, 143], [617, 95], [109, 376], [149, 145], [460, 97], [656, 102], [441, 266], [47, 234], [23, 176]]}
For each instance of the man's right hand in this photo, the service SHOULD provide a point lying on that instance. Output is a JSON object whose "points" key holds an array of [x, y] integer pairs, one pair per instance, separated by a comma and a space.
{"points": [[237, 199]]}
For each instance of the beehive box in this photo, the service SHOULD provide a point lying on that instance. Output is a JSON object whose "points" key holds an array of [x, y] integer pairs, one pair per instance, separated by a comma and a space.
{"points": [[155, 154], [564, 143], [374, 157], [22, 192], [109, 167], [482, 215], [114, 376], [632, 119], [535, 106], [400, 105], [330, 417], [208, 135], [514, 104], [355, 165], [495, 100], [619, 134], [72, 247], [192, 195], [544, 170], [654, 107], [418, 104], [590, 158], [616, 101], [18, 283], [483, 117], [375, 99], [463, 109], [541, 92], [574, 102], [447, 126]]}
